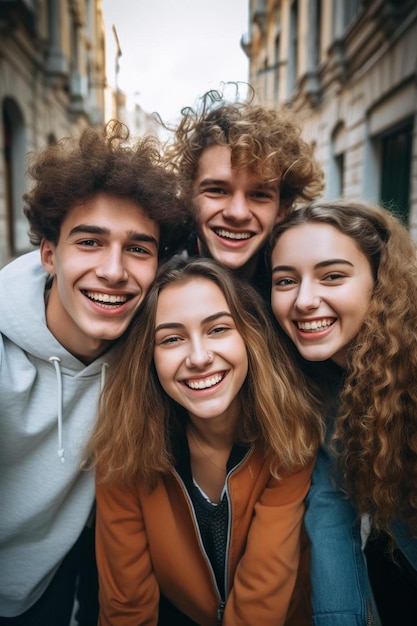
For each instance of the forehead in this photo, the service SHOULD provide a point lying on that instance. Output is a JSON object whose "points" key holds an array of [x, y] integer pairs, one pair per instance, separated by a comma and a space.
{"points": [[191, 298], [110, 213], [215, 163], [314, 241], [215, 157]]}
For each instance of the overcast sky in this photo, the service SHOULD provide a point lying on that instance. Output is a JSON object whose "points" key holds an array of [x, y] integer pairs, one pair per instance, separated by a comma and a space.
{"points": [[175, 50]]}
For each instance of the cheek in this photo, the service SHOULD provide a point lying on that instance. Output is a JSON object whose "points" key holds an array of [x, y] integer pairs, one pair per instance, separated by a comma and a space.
{"points": [[360, 317], [198, 206], [279, 307], [161, 366], [151, 273], [64, 284], [246, 368], [359, 314], [243, 361], [205, 209], [144, 276], [268, 217]]}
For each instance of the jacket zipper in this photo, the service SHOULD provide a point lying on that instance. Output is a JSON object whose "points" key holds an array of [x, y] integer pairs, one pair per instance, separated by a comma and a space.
{"points": [[222, 604], [369, 617], [200, 540], [220, 613], [229, 531]]}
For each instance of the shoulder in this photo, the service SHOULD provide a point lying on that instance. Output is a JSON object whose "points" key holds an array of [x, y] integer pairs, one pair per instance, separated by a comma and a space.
{"points": [[22, 283], [27, 267]]}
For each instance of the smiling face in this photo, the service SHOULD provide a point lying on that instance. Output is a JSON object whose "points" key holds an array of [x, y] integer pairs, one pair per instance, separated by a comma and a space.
{"points": [[235, 212], [200, 357], [103, 265], [321, 289]]}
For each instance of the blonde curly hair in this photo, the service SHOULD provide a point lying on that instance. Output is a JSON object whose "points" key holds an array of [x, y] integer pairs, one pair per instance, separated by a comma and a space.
{"points": [[264, 140]]}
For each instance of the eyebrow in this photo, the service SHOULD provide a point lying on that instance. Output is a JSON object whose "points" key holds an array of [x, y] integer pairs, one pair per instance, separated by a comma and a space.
{"points": [[99, 230], [291, 268], [212, 181], [224, 181], [206, 320]]}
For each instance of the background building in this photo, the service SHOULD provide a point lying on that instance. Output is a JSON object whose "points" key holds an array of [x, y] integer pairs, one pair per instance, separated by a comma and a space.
{"points": [[349, 70], [52, 83]]}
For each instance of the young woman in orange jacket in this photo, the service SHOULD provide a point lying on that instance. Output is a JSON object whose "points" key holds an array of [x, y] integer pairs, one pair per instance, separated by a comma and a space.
{"points": [[203, 447]]}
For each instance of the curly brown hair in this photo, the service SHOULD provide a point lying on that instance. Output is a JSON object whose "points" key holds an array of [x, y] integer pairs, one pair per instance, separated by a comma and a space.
{"points": [[375, 433], [101, 160], [264, 140], [131, 435]]}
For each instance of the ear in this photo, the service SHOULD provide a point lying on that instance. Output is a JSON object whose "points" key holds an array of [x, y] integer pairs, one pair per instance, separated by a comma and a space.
{"points": [[47, 250]]}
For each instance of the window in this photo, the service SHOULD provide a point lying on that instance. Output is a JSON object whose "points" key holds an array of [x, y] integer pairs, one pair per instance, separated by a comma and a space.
{"points": [[336, 175], [396, 169]]}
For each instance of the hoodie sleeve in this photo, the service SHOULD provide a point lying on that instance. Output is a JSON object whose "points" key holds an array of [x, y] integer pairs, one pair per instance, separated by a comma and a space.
{"points": [[129, 593], [266, 575]]}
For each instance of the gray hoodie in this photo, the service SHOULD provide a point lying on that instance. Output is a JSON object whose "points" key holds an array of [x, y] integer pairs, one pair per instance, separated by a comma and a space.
{"points": [[48, 400]]}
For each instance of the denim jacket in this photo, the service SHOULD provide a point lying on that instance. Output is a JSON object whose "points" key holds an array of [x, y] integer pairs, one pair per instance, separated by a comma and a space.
{"points": [[340, 588], [341, 592]]}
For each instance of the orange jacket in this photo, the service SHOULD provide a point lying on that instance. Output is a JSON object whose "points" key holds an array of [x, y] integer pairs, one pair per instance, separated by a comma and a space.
{"points": [[149, 541]]}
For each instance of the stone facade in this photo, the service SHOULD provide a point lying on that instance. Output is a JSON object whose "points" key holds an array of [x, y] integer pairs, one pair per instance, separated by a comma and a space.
{"points": [[349, 70], [52, 84]]}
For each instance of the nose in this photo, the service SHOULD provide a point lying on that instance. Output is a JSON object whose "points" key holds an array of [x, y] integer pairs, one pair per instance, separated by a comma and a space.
{"points": [[237, 208], [199, 357], [111, 267], [308, 298]]}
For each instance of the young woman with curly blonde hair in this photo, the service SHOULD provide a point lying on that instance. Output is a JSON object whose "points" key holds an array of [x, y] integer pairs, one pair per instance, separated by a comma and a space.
{"points": [[345, 291], [204, 446]]}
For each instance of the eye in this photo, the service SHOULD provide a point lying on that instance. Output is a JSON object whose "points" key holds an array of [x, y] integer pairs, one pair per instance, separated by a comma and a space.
{"points": [[334, 276], [217, 330], [168, 341], [215, 191], [88, 243], [263, 195], [284, 282], [138, 250]]}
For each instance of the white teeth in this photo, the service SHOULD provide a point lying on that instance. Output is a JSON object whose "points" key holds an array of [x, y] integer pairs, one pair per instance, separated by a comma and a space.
{"points": [[229, 235], [315, 324], [204, 384], [106, 298]]}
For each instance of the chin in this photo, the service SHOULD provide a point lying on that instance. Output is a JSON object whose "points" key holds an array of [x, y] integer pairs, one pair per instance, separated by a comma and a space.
{"points": [[234, 264]]}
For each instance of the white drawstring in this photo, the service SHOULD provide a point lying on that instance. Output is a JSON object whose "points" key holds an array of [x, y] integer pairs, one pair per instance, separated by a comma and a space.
{"points": [[55, 360], [103, 375]]}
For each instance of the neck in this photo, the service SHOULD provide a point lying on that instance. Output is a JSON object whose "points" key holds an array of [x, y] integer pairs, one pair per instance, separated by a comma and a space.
{"points": [[216, 438], [208, 459]]}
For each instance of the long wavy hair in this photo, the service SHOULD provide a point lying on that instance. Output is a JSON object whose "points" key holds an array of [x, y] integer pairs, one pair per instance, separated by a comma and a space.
{"points": [[136, 418], [375, 434], [264, 140]]}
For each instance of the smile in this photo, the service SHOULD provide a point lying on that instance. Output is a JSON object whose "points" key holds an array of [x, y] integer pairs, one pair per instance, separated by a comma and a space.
{"points": [[206, 383], [227, 234], [105, 298], [315, 325]]}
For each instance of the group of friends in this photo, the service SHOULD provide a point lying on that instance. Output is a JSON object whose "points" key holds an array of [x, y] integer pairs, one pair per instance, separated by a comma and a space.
{"points": [[208, 384]]}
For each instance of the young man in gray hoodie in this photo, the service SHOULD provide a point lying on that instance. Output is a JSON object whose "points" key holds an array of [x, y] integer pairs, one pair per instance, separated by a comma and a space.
{"points": [[103, 213]]}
